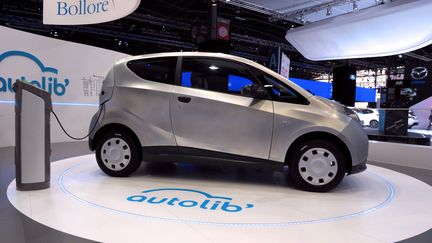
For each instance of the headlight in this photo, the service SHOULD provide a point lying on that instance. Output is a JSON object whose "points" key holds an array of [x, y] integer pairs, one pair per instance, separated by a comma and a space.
{"points": [[339, 107], [351, 114], [354, 116]]}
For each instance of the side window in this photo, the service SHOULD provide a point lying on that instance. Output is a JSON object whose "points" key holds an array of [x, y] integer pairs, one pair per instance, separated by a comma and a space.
{"points": [[215, 75], [279, 90], [161, 70]]}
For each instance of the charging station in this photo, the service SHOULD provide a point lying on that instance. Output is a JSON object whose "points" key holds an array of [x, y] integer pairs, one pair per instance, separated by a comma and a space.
{"points": [[32, 137]]}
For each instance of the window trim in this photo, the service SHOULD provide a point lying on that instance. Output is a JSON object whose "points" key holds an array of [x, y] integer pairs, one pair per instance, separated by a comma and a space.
{"points": [[177, 79]]}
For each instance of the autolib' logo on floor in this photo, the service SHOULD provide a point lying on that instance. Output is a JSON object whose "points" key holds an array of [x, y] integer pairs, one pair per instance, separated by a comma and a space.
{"points": [[46, 78], [183, 199]]}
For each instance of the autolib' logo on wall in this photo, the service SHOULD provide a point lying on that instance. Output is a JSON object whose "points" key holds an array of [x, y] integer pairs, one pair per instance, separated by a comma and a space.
{"points": [[47, 79], [187, 198]]}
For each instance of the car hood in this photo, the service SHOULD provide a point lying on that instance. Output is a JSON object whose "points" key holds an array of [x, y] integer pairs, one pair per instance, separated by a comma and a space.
{"points": [[333, 104]]}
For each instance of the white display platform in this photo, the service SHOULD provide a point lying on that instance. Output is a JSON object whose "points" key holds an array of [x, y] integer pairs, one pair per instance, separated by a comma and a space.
{"points": [[417, 156], [378, 205]]}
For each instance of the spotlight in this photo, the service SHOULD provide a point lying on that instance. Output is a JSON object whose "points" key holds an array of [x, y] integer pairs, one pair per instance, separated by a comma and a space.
{"points": [[355, 7], [54, 33], [329, 11], [302, 19]]}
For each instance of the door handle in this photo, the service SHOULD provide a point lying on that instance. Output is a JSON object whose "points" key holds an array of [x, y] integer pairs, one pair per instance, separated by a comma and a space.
{"points": [[184, 99]]}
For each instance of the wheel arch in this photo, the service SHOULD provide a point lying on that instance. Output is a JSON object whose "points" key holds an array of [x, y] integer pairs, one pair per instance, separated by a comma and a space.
{"points": [[324, 136], [112, 127]]}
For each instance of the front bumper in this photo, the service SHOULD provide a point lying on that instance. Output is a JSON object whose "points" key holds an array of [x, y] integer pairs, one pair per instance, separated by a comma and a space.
{"points": [[358, 168]]}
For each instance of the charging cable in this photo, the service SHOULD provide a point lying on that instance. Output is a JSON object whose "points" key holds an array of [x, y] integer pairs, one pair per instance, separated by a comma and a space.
{"points": [[91, 130]]}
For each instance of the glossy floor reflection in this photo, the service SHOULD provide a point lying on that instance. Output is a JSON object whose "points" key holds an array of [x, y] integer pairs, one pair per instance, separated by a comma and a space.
{"points": [[377, 206]]}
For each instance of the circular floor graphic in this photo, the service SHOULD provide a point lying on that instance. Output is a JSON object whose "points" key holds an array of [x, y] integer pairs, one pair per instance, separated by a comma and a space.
{"points": [[165, 203]]}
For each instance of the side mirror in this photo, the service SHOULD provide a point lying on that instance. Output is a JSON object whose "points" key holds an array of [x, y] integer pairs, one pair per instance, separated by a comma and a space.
{"points": [[255, 91], [286, 94]]}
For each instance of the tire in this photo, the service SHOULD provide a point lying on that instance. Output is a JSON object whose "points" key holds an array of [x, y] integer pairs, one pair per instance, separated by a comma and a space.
{"points": [[317, 166], [118, 154], [374, 124]]}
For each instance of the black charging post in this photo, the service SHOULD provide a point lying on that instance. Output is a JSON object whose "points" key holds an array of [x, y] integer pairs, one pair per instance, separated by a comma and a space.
{"points": [[32, 137]]}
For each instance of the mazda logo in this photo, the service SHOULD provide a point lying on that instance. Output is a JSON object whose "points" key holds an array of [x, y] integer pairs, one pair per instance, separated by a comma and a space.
{"points": [[419, 73]]}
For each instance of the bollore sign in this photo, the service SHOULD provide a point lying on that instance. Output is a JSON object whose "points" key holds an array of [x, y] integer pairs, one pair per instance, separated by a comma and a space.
{"points": [[75, 12], [82, 8]]}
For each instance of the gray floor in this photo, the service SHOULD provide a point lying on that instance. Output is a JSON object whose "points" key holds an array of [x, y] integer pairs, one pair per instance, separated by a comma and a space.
{"points": [[15, 227]]}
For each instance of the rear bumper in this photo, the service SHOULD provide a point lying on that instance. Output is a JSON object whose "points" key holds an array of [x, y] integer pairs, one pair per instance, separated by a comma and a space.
{"points": [[92, 130], [358, 168]]}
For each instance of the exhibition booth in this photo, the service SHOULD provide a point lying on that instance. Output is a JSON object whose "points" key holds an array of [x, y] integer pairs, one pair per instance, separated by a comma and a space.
{"points": [[230, 149]]}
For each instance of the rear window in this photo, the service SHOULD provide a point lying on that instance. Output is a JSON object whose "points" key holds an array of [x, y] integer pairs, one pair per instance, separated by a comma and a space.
{"points": [[161, 70]]}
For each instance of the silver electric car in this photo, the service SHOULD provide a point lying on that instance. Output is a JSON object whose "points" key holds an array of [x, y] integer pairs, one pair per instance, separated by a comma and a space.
{"points": [[217, 108]]}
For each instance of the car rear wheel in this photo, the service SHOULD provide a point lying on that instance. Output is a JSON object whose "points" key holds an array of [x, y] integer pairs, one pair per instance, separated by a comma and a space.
{"points": [[118, 154], [374, 124], [317, 165]]}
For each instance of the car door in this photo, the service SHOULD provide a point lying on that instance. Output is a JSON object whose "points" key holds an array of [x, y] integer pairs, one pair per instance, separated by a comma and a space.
{"points": [[208, 110]]}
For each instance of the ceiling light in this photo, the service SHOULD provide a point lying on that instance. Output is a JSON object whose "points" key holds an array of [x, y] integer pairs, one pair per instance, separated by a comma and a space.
{"points": [[370, 34], [329, 11], [355, 7], [302, 19], [213, 67]]}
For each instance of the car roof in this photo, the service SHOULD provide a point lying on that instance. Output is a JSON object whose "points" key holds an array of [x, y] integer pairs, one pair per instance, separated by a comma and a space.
{"points": [[194, 54], [217, 55]]}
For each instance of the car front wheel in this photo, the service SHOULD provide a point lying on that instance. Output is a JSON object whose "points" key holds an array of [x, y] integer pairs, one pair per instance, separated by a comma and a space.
{"points": [[317, 165], [118, 154]]}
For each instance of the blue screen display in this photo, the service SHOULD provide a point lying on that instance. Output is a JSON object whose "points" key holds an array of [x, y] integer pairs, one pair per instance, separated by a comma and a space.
{"points": [[317, 88], [236, 83], [325, 90], [186, 79], [365, 95]]}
